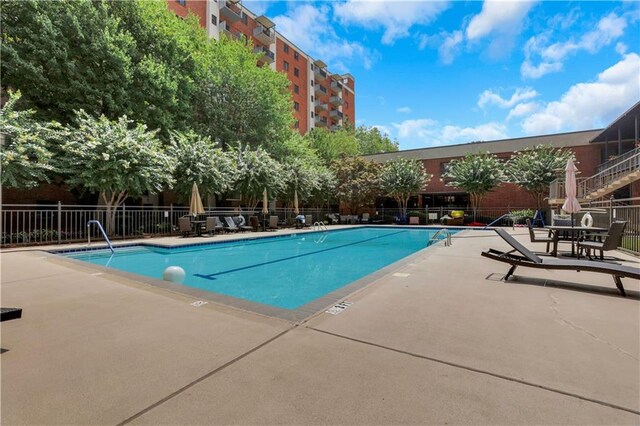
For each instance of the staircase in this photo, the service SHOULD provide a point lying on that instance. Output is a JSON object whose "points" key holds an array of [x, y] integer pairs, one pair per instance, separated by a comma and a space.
{"points": [[613, 174]]}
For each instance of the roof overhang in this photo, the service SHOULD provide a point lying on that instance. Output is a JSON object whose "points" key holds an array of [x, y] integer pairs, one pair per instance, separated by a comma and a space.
{"points": [[625, 124], [265, 22], [319, 63]]}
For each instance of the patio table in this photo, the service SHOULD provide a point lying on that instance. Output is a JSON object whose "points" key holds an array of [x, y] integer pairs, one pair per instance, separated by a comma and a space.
{"points": [[573, 230], [197, 226]]}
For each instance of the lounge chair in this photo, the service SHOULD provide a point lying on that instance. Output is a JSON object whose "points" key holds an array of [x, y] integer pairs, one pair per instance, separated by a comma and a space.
{"points": [[531, 260], [273, 223], [211, 227], [231, 225], [612, 240], [365, 218], [7, 314], [239, 221], [184, 224], [219, 224], [552, 238]]}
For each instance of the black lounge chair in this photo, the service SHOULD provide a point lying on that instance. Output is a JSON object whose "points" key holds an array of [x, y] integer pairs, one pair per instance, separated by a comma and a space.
{"points": [[7, 314], [531, 260]]}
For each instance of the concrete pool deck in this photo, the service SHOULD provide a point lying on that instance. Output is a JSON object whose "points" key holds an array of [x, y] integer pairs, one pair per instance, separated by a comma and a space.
{"points": [[440, 340]]}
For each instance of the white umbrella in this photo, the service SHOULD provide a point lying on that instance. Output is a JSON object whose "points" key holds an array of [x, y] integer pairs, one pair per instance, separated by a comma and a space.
{"points": [[265, 203], [296, 210], [571, 204], [195, 205]]}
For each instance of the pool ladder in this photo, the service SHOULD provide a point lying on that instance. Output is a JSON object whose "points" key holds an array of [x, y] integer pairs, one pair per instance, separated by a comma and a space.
{"points": [[434, 238], [319, 226], [104, 234]]}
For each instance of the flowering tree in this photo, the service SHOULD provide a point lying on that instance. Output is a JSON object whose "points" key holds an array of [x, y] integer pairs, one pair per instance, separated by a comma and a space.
{"points": [[199, 160], [25, 157], [533, 169], [257, 171], [116, 158], [403, 178], [357, 181], [324, 193], [301, 177], [477, 174]]}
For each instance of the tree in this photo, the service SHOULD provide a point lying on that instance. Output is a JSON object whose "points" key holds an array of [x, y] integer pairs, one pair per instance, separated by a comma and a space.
{"points": [[116, 158], [401, 179], [257, 171], [533, 169], [199, 160], [477, 174], [330, 146], [25, 157], [240, 104], [323, 193], [357, 181], [372, 141]]}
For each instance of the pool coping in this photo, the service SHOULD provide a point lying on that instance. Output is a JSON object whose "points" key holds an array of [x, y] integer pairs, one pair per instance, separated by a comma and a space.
{"points": [[302, 313]]}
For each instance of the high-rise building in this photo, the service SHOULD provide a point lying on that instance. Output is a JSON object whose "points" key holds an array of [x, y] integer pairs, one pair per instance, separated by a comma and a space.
{"points": [[320, 98]]}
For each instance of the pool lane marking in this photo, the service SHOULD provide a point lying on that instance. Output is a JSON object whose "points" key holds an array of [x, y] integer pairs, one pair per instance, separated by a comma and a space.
{"points": [[213, 276]]}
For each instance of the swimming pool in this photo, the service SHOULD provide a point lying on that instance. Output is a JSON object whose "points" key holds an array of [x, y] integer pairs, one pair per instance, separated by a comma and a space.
{"points": [[285, 272]]}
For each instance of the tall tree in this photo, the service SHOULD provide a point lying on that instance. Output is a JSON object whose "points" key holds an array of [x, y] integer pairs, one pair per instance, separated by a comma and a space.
{"points": [[372, 141], [477, 174], [25, 157], [357, 182], [330, 146], [118, 159], [257, 171], [533, 169], [199, 160], [401, 179]]}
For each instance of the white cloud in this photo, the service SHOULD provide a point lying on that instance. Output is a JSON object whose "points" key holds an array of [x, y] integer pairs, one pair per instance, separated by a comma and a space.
{"points": [[425, 132], [449, 47], [621, 48], [308, 27], [523, 109], [551, 55], [498, 16], [404, 110], [259, 7], [593, 104], [395, 17], [489, 97]]}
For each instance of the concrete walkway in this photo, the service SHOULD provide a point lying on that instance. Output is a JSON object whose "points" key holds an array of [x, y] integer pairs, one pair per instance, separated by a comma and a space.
{"points": [[442, 340]]}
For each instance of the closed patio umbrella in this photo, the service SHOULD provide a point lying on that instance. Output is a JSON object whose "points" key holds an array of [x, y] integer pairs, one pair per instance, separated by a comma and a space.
{"points": [[296, 210], [265, 203], [571, 204], [195, 205]]}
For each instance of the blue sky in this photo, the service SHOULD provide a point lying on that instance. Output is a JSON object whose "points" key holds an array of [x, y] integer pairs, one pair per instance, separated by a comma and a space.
{"points": [[433, 73]]}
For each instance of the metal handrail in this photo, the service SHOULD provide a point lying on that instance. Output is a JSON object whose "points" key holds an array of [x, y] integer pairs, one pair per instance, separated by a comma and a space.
{"points": [[617, 159], [320, 227], [435, 236], [104, 234]]}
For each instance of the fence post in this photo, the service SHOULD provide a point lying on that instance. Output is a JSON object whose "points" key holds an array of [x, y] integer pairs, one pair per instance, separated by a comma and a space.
{"points": [[610, 210], [123, 222], [59, 222], [171, 219]]}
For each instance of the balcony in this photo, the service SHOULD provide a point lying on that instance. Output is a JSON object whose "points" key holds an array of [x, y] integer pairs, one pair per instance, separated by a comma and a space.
{"points": [[230, 10], [320, 106], [336, 86], [264, 35], [320, 89], [335, 100], [267, 55], [335, 114], [226, 29], [319, 73], [320, 121]]}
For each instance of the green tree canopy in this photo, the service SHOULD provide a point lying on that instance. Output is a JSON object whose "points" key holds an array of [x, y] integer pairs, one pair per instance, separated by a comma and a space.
{"points": [[118, 159], [533, 169], [401, 179], [477, 174], [25, 157], [332, 145], [357, 181], [372, 141], [257, 171], [199, 160]]}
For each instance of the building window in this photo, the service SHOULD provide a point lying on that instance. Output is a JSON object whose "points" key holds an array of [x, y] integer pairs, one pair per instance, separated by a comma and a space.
{"points": [[286, 48], [296, 72], [244, 18], [311, 99], [296, 88], [182, 2], [346, 105], [312, 83], [214, 19], [286, 66], [295, 55], [296, 106], [311, 114]]}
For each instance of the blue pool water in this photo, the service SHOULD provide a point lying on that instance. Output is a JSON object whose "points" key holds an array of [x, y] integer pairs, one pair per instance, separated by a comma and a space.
{"points": [[286, 272]]}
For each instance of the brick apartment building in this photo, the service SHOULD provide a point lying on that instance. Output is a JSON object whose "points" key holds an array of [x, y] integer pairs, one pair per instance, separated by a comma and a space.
{"points": [[320, 98]]}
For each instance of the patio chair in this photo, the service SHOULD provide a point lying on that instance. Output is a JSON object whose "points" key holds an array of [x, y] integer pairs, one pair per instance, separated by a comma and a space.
{"points": [[551, 238], [240, 223], [211, 227], [184, 224], [231, 225], [273, 223], [308, 221], [529, 259], [255, 223], [224, 228], [612, 240], [365, 218]]}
